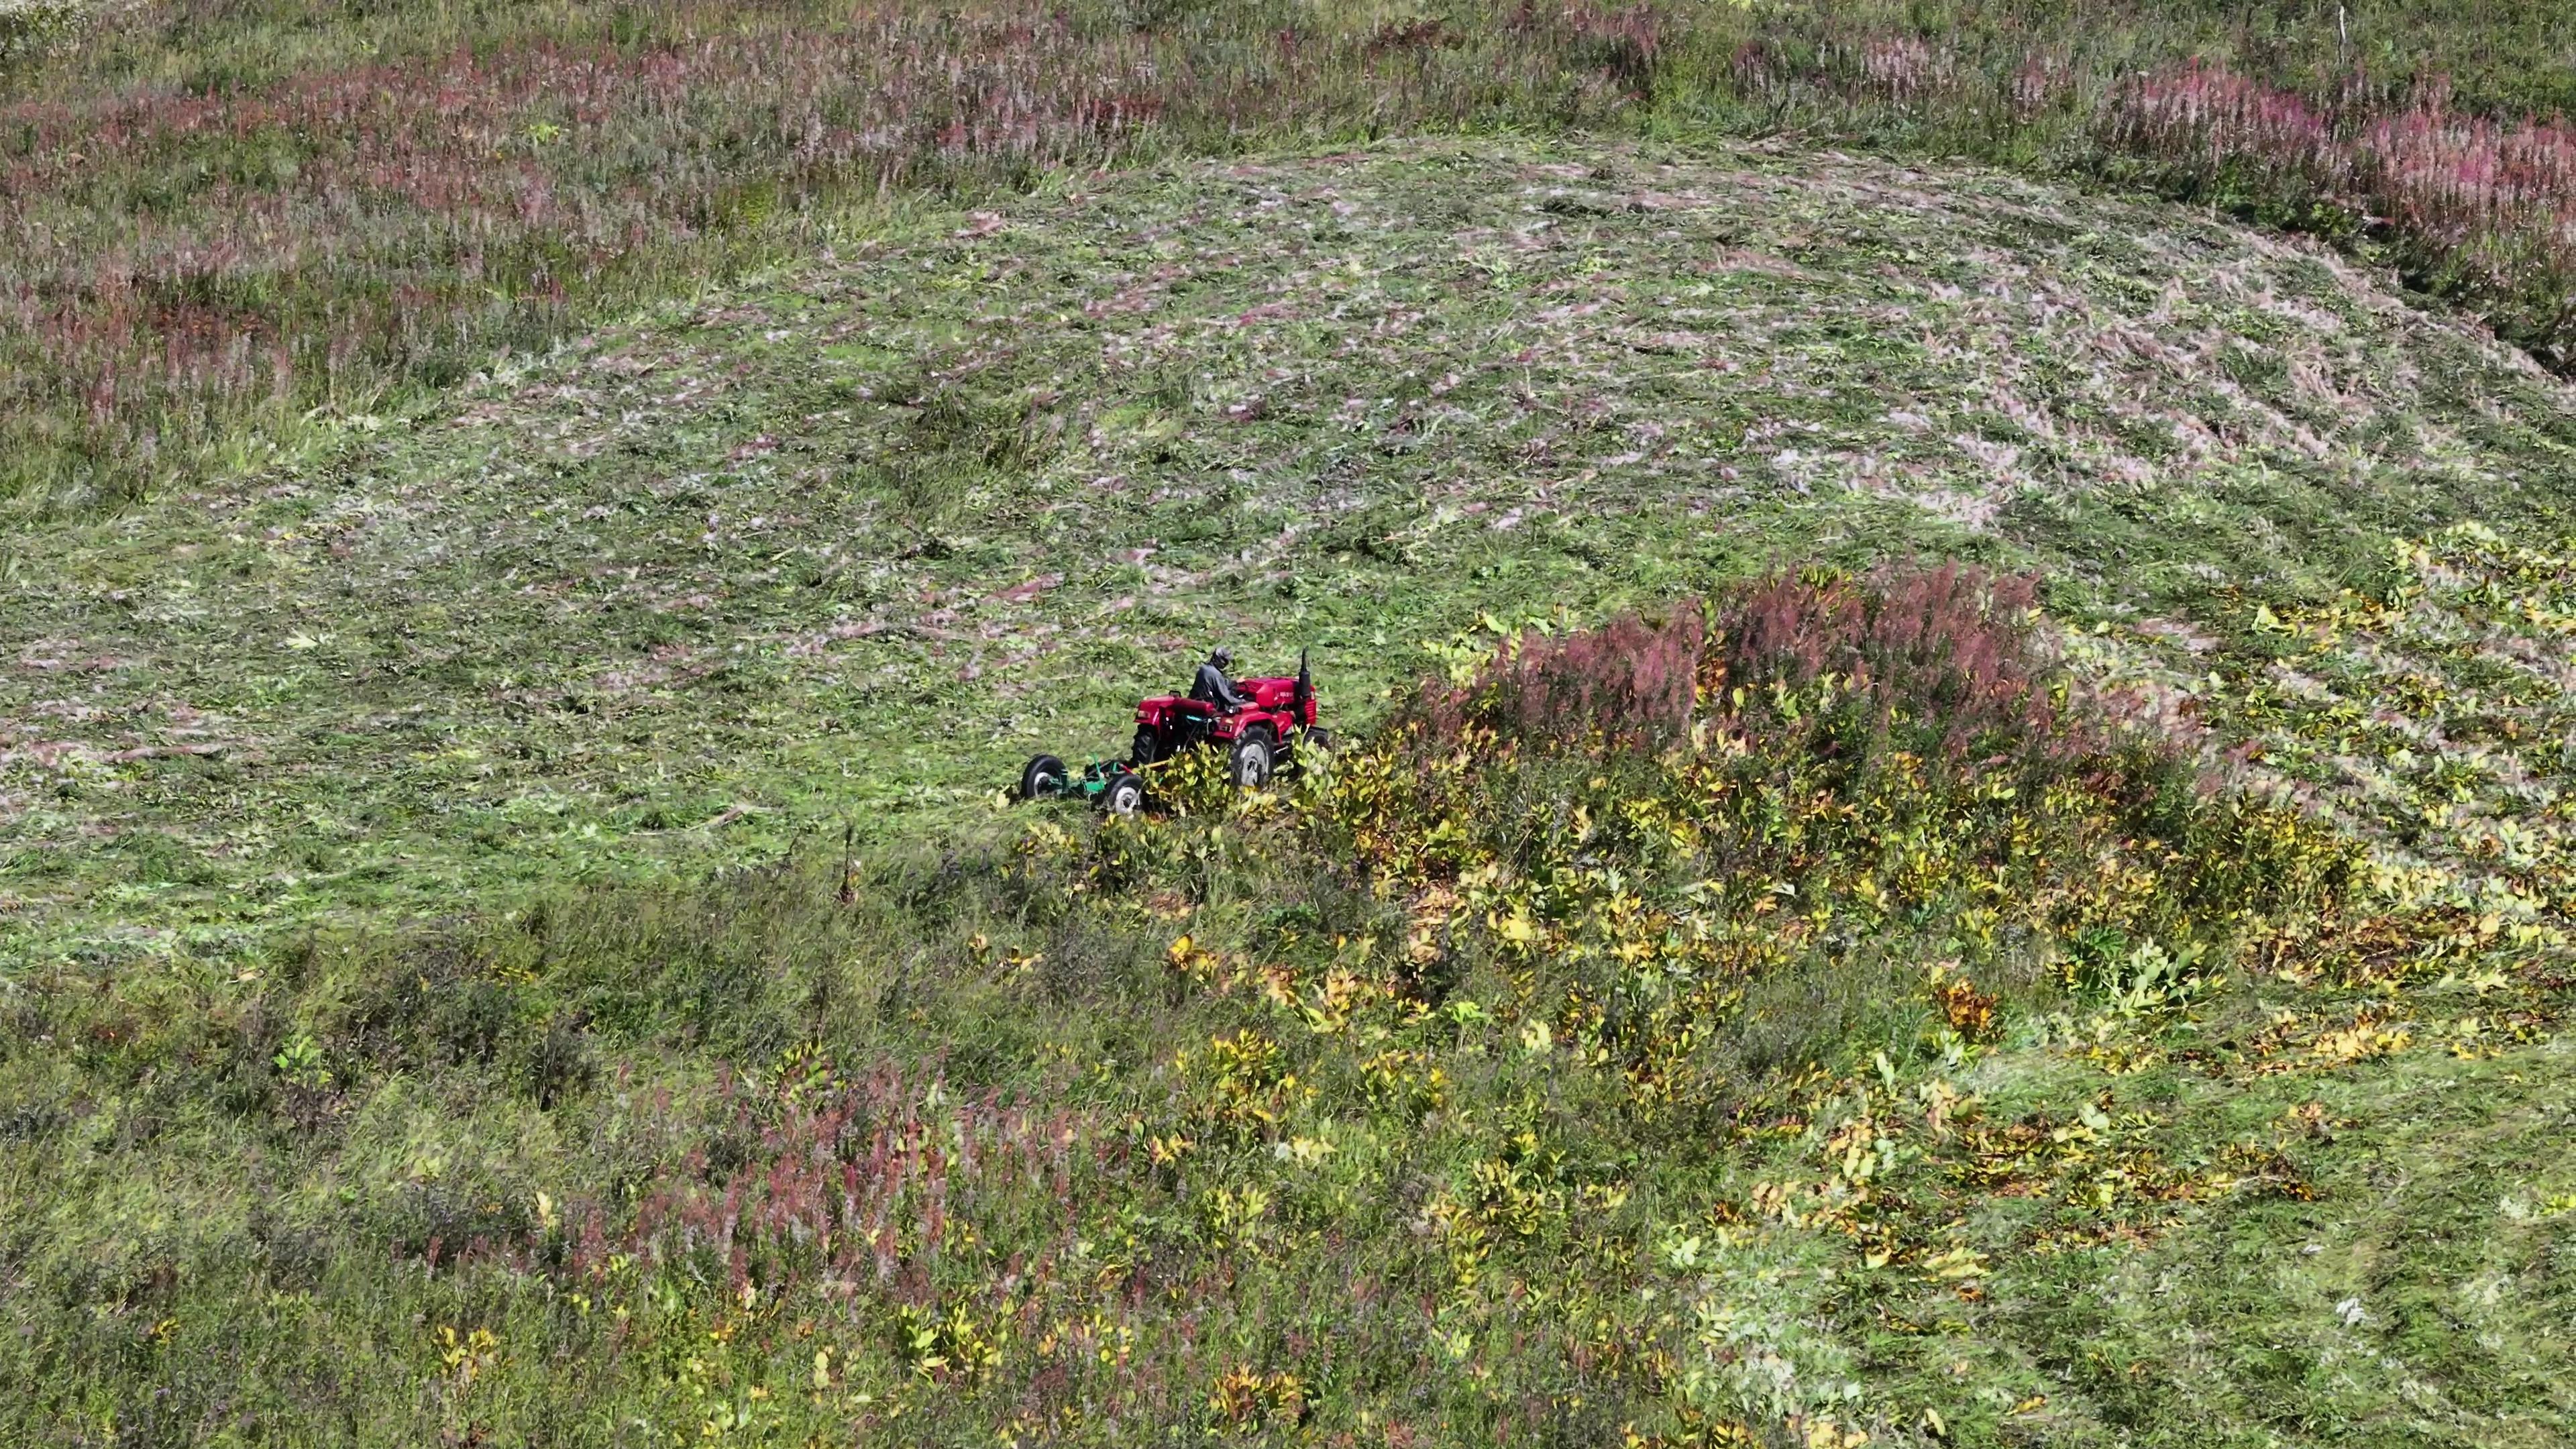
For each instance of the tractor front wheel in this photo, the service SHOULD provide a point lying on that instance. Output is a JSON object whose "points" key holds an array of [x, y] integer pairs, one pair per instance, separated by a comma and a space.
{"points": [[1250, 764], [1043, 775], [1140, 752], [1123, 795]]}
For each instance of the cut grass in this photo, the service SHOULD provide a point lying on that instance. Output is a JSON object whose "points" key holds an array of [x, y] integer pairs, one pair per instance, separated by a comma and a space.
{"points": [[223, 226], [848, 544], [431, 1009]]}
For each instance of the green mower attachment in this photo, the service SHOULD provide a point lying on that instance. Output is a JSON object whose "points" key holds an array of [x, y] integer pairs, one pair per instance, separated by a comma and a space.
{"points": [[1108, 784]]}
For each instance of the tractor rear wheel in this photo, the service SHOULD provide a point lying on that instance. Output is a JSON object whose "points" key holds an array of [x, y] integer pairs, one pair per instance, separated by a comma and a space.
{"points": [[1123, 795], [1043, 775], [1250, 765], [1318, 740], [1140, 752]]}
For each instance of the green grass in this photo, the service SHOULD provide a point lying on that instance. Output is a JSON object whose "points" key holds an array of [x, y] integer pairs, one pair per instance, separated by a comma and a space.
{"points": [[225, 227], [846, 545], [424, 858], [1460, 1095]]}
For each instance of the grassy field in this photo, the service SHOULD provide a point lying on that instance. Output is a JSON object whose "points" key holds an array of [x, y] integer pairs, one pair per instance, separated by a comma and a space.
{"points": [[846, 545], [440, 1007], [537, 533], [226, 227]]}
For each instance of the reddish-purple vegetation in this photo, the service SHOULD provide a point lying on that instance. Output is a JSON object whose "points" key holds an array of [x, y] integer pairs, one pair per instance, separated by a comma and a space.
{"points": [[1944, 661], [1630, 682], [2468, 204], [177, 263], [858, 1182], [182, 263], [1946, 656], [2472, 203]]}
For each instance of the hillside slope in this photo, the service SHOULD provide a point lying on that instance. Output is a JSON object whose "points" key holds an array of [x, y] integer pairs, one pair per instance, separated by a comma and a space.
{"points": [[849, 545], [2137, 1021]]}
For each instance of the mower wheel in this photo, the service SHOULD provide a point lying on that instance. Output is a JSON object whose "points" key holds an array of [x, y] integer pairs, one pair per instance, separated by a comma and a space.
{"points": [[1140, 752], [1250, 765], [1043, 775], [1123, 795]]}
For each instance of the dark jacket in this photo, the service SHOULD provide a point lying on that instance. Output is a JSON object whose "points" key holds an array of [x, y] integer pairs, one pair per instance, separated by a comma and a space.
{"points": [[1212, 687]]}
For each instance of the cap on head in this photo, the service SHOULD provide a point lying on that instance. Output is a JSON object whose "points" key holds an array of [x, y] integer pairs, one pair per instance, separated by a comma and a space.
{"points": [[1221, 658]]}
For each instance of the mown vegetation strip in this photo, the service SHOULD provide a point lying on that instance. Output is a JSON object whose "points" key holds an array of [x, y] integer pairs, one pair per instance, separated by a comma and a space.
{"points": [[222, 229], [851, 543]]}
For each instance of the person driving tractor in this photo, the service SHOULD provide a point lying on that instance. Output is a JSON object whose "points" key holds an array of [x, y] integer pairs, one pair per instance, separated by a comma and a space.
{"points": [[1267, 725], [1212, 687]]}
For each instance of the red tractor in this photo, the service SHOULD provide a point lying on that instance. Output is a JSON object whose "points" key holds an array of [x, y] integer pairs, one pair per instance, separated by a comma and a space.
{"points": [[1276, 723], [1278, 715]]}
